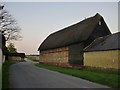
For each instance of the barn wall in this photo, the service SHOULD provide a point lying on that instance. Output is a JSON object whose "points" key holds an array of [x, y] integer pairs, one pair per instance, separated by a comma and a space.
{"points": [[57, 56], [105, 59], [15, 58]]}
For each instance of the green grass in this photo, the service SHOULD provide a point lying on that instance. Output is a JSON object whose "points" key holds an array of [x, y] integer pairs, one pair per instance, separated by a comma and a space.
{"points": [[32, 58], [5, 73], [103, 77]]}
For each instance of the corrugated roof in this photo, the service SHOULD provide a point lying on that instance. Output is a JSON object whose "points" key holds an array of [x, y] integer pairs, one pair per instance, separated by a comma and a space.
{"points": [[72, 34], [109, 42]]}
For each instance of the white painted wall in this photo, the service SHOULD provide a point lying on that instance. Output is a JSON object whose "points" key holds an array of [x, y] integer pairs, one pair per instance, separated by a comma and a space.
{"points": [[1, 55]]}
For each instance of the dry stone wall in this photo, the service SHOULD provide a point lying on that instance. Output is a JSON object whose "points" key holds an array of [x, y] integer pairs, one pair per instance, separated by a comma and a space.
{"points": [[15, 58]]}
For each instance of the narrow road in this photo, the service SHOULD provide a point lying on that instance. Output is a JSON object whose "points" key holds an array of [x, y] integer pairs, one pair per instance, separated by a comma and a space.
{"points": [[26, 75]]}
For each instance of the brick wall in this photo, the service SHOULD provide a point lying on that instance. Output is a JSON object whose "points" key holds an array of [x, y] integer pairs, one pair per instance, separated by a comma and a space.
{"points": [[57, 56], [105, 59]]}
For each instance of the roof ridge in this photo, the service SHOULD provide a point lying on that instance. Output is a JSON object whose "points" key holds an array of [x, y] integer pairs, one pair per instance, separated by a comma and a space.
{"points": [[97, 15]]}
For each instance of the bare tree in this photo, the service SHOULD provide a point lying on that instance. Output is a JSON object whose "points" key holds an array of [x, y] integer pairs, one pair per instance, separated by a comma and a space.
{"points": [[8, 25]]}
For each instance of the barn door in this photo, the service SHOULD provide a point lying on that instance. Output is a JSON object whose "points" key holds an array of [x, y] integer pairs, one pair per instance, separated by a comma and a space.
{"points": [[75, 55]]}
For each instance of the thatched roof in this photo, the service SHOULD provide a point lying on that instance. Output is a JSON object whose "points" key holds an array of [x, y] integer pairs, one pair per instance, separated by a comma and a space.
{"points": [[73, 34], [109, 42]]}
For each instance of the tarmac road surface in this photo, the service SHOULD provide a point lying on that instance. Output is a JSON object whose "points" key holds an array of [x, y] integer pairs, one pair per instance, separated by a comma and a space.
{"points": [[26, 75]]}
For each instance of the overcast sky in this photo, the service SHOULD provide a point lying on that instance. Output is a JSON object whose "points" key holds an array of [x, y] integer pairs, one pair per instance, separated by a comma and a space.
{"points": [[39, 19]]}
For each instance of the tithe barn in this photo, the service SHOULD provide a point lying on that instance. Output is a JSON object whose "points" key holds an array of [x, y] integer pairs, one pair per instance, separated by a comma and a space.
{"points": [[65, 47]]}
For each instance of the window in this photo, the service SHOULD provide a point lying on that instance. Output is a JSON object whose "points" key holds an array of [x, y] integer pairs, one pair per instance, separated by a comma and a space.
{"points": [[99, 22]]}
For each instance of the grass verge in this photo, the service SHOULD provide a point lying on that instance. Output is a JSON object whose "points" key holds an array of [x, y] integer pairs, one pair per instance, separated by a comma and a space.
{"points": [[5, 73], [106, 78]]}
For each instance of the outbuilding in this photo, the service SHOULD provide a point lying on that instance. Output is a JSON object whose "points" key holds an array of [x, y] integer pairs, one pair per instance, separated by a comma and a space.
{"points": [[103, 52], [65, 47], [16, 56]]}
